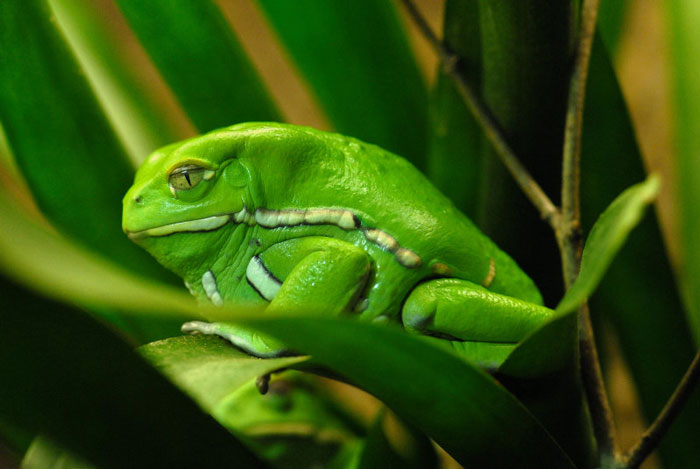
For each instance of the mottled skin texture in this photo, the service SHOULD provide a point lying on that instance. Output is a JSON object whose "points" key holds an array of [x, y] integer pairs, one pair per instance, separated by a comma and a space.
{"points": [[339, 226]]}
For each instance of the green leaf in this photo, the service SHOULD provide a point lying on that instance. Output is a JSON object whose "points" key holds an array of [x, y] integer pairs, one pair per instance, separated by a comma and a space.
{"points": [[63, 144], [611, 22], [550, 351], [526, 58], [70, 378], [356, 58], [296, 424], [685, 49], [459, 406], [200, 58], [547, 350], [42, 454], [209, 368], [141, 125], [379, 452], [639, 295], [455, 154], [60, 269], [606, 238]]}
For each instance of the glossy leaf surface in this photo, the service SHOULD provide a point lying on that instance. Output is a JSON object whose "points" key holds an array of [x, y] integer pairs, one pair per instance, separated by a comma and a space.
{"points": [[387, 362], [209, 368]]}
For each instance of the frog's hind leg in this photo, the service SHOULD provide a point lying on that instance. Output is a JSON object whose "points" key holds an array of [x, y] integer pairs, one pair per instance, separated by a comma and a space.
{"points": [[482, 325]]}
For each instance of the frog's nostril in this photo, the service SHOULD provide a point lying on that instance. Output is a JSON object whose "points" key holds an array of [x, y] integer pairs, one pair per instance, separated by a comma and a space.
{"points": [[138, 199]]}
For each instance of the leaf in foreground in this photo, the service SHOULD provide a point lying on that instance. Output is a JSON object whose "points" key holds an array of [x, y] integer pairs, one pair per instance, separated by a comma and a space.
{"points": [[209, 368], [68, 377], [459, 406], [61, 139]]}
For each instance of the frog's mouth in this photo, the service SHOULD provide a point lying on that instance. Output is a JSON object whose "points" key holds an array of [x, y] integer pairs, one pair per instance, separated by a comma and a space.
{"points": [[210, 223]]}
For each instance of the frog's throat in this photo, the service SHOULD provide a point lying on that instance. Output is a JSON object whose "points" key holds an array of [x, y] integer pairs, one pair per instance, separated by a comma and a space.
{"points": [[270, 219]]}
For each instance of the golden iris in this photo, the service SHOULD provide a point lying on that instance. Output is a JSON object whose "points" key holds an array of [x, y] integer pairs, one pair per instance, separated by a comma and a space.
{"points": [[186, 177]]}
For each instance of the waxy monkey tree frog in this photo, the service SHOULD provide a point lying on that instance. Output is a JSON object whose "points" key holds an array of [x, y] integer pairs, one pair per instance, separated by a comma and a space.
{"points": [[297, 219]]}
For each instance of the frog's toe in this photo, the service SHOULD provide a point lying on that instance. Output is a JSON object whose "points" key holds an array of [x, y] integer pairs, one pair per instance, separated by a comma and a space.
{"points": [[250, 341], [198, 327]]}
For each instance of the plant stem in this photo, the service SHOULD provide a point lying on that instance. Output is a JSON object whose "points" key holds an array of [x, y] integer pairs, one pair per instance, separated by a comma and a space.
{"points": [[570, 239], [548, 211], [651, 438]]}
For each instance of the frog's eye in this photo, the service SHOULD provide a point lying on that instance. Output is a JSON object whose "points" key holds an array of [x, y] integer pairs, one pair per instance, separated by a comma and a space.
{"points": [[186, 177]]}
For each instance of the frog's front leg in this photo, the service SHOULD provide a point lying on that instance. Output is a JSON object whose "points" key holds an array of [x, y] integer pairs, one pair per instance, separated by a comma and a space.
{"points": [[312, 274], [482, 325]]}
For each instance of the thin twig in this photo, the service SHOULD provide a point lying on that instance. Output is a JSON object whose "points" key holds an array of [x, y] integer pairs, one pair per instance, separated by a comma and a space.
{"points": [[548, 211], [570, 240], [651, 438]]}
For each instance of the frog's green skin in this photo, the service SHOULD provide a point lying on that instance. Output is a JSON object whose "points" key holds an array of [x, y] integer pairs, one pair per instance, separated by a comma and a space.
{"points": [[303, 220]]}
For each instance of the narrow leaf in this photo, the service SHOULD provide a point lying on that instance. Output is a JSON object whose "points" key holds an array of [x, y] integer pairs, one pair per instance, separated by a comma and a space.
{"points": [[68, 377], [60, 269], [459, 406], [141, 125], [455, 154], [605, 240], [42, 454], [611, 22], [526, 55], [685, 49], [202, 61], [62, 142], [356, 58], [639, 295]]}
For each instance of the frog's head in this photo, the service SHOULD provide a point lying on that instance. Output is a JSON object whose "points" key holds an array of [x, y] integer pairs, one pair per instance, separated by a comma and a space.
{"points": [[197, 186]]}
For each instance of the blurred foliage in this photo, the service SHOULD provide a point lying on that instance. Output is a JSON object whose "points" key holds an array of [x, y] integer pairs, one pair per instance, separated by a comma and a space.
{"points": [[77, 296]]}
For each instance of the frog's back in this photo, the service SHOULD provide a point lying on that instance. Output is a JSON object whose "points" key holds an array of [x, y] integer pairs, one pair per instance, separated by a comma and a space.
{"points": [[315, 169]]}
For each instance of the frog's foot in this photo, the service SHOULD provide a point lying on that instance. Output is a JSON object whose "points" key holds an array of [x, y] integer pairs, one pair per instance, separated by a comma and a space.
{"points": [[248, 340], [481, 325]]}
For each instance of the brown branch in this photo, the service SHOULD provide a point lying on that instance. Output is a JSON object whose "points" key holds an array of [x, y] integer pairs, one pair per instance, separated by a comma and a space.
{"points": [[652, 437], [570, 239], [548, 211]]}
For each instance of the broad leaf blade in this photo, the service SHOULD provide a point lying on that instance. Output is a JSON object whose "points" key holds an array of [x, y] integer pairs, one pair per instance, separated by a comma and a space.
{"points": [[202, 61], [70, 378], [459, 406], [356, 58], [63, 144], [209, 368]]}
